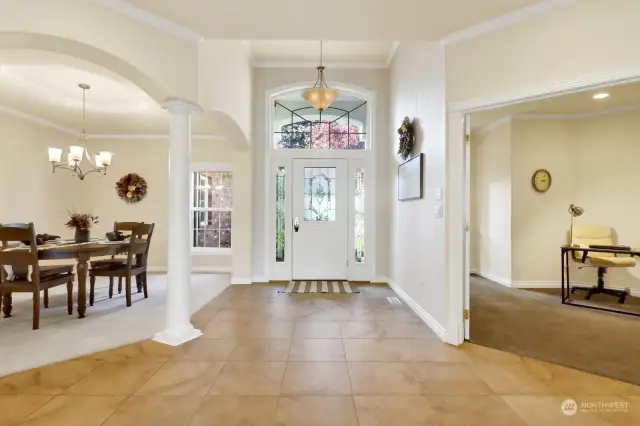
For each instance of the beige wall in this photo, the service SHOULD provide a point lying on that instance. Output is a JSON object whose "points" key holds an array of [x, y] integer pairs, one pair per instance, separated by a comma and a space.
{"points": [[592, 163], [584, 40], [491, 242], [417, 261]]}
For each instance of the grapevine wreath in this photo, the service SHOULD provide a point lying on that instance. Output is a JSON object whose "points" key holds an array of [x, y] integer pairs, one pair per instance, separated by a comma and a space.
{"points": [[407, 138], [131, 188]]}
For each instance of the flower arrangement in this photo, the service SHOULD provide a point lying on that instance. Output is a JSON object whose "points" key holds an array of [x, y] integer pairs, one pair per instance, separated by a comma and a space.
{"points": [[131, 188], [407, 138], [81, 221]]}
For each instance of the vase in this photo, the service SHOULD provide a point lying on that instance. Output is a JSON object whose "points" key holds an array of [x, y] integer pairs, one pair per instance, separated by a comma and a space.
{"points": [[82, 236]]}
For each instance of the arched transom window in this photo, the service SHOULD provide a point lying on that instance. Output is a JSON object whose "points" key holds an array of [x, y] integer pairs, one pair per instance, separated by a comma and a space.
{"points": [[297, 125]]}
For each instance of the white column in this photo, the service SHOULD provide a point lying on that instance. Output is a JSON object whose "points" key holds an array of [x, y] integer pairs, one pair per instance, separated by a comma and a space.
{"points": [[178, 328]]}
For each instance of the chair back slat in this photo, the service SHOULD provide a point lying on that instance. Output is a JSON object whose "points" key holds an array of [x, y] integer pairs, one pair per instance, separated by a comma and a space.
{"points": [[125, 226], [19, 259], [14, 232], [139, 243]]}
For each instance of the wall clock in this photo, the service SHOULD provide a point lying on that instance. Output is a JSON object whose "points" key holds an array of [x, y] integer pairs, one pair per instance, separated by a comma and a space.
{"points": [[541, 180]]}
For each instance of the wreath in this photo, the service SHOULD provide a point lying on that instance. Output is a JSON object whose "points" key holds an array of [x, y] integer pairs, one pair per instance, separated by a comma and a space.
{"points": [[131, 188], [407, 138]]}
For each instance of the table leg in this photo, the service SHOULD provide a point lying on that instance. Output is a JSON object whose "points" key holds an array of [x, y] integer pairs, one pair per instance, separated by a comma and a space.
{"points": [[6, 304], [82, 287]]}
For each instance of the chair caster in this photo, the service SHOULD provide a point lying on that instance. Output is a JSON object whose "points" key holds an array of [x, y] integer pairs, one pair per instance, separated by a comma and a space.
{"points": [[588, 296]]}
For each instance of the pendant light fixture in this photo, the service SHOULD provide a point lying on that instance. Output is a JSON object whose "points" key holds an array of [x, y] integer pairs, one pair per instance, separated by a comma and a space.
{"points": [[76, 153], [320, 96]]}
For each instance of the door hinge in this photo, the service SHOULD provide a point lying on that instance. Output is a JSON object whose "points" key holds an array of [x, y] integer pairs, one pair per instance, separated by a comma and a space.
{"points": [[465, 226], [466, 314]]}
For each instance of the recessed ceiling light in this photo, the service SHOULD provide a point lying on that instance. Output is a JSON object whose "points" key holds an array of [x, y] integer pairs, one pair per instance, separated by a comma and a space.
{"points": [[600, 96]]}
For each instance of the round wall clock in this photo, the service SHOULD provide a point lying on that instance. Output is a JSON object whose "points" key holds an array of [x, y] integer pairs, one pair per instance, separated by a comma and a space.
{"points": [[541, 180]]}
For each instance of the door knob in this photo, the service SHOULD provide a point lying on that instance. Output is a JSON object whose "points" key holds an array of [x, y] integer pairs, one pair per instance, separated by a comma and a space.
{"points": [[296, 225]]}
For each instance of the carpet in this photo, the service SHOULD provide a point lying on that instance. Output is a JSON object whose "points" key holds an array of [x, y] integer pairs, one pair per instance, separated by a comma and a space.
{"points": [[320, 287], [534, 323]]}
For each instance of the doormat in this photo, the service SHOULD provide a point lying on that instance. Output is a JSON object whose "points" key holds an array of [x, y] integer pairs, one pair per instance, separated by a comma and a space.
{"points": [[320, 287]]}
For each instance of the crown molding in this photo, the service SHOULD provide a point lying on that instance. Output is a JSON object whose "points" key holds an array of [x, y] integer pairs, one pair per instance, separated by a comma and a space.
{"points": [[392, 52], [506, 20], [119, 136], [158, 22], [313, 65], [577, 116]]}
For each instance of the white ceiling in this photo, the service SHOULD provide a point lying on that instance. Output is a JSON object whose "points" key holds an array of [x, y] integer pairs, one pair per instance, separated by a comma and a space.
{"points": [[334, 53], [383, 20], [574, 105]]}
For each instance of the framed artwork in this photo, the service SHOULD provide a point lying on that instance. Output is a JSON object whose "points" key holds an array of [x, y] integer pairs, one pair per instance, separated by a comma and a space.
{"points": [[410, 179]]}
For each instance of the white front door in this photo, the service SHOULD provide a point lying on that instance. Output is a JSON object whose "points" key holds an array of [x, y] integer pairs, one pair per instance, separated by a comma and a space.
{"points": [[320, 216]]}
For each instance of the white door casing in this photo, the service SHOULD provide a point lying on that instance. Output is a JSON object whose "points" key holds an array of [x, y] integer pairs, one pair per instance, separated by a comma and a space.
{"points": [[319, 208], [467, 231]]}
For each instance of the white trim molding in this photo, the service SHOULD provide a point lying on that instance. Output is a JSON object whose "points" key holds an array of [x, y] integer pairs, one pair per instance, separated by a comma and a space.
{"points": [[194, 269], [635, 292], [495, 278], [392, 53], [506, 20], [440, 331], [240, 280], [125, 8], [311, 65]]}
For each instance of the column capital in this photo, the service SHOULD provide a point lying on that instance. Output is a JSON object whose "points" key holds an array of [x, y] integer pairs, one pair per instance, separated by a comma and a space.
{"points": [[180, 107]]}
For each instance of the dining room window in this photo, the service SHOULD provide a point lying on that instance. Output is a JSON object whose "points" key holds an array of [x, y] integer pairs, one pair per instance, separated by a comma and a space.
{"points": [[211, 209]]}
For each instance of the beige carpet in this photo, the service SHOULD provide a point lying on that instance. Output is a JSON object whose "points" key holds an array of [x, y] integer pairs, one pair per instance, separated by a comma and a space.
{"points": [[537, 325]]}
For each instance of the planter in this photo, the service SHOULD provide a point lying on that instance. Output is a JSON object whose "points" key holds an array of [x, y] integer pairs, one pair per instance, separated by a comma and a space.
{"points": [[82, 236]]}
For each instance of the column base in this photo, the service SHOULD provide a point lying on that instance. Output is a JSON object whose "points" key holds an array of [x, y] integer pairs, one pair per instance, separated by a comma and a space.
{"points": [[173, 337]]}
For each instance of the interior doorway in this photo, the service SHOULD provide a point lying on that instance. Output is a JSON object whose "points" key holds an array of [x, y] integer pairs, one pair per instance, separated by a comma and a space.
{"points": [[319, 219]]}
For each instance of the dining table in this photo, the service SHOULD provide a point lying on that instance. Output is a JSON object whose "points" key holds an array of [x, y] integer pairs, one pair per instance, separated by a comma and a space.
{"points": [[82, 253]]}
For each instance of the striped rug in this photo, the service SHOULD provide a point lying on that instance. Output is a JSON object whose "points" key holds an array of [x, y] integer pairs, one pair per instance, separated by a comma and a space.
{"points": [[319, 287]]}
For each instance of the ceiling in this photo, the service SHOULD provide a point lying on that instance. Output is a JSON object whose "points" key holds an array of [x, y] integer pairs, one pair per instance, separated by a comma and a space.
{"points": [[363, 20], [44, 87], [334, 53], [574, 105]]}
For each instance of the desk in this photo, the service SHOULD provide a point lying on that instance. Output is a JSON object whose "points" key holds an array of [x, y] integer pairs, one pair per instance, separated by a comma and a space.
{"points": [[82, 252], [566, 250]]}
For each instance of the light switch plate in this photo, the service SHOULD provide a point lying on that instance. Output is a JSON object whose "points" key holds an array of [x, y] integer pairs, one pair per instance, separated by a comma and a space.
{"points": [[438, 194], [439, 211]]}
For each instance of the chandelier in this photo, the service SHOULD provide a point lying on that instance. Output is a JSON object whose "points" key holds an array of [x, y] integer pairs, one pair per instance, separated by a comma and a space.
{"points": [[76, 153], [320, 96]]}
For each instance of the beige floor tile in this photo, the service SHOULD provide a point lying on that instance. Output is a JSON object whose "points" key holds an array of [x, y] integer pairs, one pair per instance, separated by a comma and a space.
{"points": [[316, 378], [394, 411], [383, 378], [316, 411], [316, 350], [155, 410], [227, 410], [116, 378], [207, 350], [477, 353], [402, 350], [182, 378], [249, 329], [261, 350], [48, 380], [547, 410], [146, 350], [75, 410], [528, 377], [619, 411], [317, 330], [438, 378], [14, 408], [249, 378], [385, 330], [473, 411]]}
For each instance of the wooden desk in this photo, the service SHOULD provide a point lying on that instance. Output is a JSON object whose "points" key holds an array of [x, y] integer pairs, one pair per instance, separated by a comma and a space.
{"points": [[82, 252]]}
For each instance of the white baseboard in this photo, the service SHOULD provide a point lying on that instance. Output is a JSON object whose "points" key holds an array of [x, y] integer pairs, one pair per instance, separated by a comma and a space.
{"points": [[260, 279], [440, 331], [195, 269], [240, 280], [635, 292], [502, 281], [381, 279]]}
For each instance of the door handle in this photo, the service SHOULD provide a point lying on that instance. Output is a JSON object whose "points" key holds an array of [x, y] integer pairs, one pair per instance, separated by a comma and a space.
{"points": [[296, 225]]}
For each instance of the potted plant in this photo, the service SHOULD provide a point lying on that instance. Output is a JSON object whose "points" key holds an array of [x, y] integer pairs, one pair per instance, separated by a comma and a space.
{"points": [[82, 223]]}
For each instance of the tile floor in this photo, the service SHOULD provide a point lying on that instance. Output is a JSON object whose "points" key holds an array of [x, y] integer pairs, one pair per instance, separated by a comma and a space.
{"points": [[313, 360]]}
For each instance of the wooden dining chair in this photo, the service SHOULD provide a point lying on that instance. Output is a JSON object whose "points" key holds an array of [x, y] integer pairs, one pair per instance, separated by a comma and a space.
{"points": [[118, 227], [42, 278], [134, 266]]}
